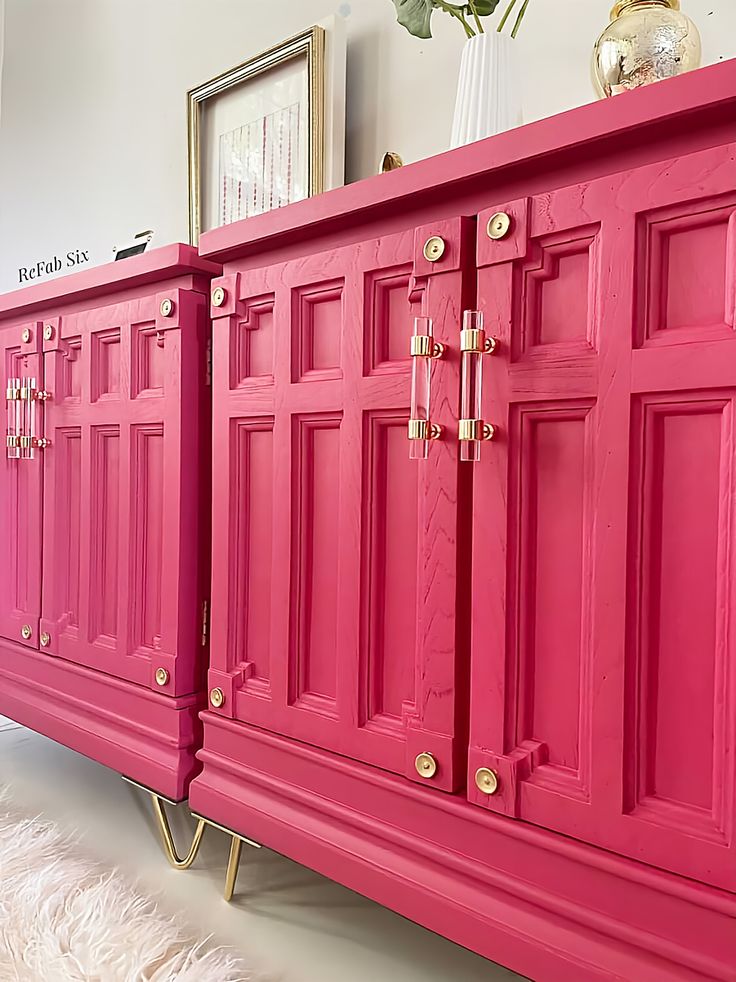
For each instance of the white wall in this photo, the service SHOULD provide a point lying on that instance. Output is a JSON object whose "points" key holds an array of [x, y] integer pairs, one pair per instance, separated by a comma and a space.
{"points": [[93, 123]]}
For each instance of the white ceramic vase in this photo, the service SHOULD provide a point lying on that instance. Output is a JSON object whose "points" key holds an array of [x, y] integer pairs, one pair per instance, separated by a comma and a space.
{"points": [[488, 90]]}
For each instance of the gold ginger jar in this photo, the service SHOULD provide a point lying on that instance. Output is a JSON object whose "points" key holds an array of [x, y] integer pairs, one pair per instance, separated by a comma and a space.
{"points": [[647, 40]]}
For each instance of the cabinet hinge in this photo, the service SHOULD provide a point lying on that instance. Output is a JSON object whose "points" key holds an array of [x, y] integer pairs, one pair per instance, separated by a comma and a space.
{"points": [[208, 362], [205, 622]]}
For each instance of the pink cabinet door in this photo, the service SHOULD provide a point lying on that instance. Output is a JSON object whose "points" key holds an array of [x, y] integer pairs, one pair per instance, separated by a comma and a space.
{"points": [[334, 554], [20, 486], [120, 489], [603, 660]]}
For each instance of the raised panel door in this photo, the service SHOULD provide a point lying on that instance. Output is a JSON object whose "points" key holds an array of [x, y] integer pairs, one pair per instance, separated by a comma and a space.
{"points": [[21, 484], [603, 684], [121, 588], [334, 615]]}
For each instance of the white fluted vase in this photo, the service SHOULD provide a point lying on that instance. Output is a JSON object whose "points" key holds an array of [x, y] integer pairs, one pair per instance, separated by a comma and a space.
{"points": [[489, 90]]}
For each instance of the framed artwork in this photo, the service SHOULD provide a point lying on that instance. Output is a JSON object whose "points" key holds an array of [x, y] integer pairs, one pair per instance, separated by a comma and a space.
{"points": [[268, 132]]}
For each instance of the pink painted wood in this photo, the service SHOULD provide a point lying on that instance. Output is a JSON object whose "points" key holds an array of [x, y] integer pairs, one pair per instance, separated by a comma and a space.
{"points": [[119, 594], [333, 591], [604, 548], [593, 566], [20, 501]]}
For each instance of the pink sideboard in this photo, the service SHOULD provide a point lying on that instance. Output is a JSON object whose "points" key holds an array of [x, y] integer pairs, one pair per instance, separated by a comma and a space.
{"points": [[498, 697], [104, 512]]}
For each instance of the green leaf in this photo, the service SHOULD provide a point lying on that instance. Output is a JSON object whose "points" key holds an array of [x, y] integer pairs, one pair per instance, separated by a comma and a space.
{"points": [[486, 7], [415, 16]]}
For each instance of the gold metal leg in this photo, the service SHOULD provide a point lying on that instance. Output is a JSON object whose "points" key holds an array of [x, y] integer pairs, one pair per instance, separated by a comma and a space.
{"points": [[233, 863], [167, 838]]}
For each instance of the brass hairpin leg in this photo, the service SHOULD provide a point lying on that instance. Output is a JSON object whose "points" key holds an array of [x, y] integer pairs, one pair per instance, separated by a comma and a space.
{"points": [[167, 838], [233, 864]]}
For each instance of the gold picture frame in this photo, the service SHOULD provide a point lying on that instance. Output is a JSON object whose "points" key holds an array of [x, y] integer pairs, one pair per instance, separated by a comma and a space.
{"points": [[310, 44]]}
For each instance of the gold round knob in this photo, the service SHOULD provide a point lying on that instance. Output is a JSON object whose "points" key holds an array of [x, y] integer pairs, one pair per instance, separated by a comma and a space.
{"points": [[217, 698], [498, 225], [26, 336], [26, 632], [486, 780], [218, 296], [434, 248], [48, 333], [162, 676], [426, 765], [45, 639], [167, 308]]}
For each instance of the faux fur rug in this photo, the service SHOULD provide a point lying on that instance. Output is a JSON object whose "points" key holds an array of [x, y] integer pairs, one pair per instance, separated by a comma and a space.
{"points": [[65, 919]]}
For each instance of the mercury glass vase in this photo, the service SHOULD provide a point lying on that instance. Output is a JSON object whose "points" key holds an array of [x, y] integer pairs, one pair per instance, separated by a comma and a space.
{"points": [[647, 40], [488, 91]]}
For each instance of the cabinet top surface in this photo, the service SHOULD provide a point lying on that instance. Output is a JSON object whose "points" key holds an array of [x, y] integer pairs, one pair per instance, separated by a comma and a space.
{"points": [[663, 120], [152, 267]]}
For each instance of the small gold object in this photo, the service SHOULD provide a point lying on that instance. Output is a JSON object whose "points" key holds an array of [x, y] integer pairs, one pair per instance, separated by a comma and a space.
{"points": [[42, 395], [486, 780], [425, 346], [647, 40], [475, 429], [498, 225], [476, 339], [26, 632], [422, 429], [434, 248], [218, 296], [48, 333], [26, 336], [167, 307], [390, 161], [217, 698], [426, 765], [162, 676], [45, 639], [42, 443]]}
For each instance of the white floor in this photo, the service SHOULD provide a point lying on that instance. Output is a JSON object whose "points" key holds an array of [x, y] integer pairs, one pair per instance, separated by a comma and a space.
{"points": [[286, 920]]}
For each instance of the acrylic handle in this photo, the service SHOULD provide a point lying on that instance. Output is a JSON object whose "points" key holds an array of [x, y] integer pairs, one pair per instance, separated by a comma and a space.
{"points": [[472, 428], [14, 426], [424, 349]]}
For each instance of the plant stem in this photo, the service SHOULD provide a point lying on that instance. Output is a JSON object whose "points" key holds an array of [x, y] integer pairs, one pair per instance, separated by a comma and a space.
{"points": [[456, 12], [519, 19], [506, 16], [471, 4]]}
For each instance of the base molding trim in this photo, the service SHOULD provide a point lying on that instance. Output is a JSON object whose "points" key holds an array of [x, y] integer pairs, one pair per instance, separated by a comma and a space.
{"points": [[540, 903], [146, 736]]}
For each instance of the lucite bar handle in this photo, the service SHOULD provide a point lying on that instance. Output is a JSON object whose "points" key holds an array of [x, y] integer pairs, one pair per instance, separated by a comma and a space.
{"points": [[474, 343], [14, 426], [424, 349]]}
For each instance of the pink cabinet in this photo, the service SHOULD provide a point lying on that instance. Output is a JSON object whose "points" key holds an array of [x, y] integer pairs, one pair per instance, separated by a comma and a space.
{"points": [[105, 512], [490, 682]]}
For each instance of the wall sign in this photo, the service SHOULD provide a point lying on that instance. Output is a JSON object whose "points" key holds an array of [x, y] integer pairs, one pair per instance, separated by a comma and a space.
{"points": [[46, 267]]}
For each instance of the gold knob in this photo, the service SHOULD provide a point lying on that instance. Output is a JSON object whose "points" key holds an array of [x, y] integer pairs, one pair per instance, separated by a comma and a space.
{"points": [[48, 332], [162, 676], [218, 296], [167, 308], [498, 225], [486, 780], [426, 765], [45, 639], [26, 336], [217, 698], [26, 632], [434, 248]]}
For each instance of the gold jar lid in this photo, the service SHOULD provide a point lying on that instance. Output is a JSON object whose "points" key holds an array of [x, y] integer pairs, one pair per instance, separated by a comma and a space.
{"points": [[622, 5]]}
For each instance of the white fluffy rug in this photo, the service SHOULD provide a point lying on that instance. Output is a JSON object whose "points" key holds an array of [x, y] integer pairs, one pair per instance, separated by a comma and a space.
{"points": [[65, 919]]}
